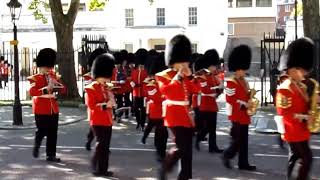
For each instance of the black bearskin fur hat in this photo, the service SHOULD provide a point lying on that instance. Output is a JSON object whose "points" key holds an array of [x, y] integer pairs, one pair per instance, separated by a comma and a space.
{"points": [[299, 54], [179, 50], [97, 52], [140, 56], [103, 66], [46, 58], [240, 58]]}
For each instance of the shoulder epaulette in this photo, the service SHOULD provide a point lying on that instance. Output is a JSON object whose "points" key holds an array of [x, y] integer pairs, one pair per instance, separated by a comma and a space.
{"points": [[164, 74], [151, 85], [91, 85], [232, 79], [285, 85]]}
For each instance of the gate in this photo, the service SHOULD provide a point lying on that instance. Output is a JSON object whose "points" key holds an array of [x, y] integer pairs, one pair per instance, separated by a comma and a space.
{"points": [[272, 47]]}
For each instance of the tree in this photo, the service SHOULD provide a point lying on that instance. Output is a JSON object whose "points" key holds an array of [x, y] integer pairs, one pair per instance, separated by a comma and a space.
{"points": [[299, 10], [63, 26], [311, 19]]}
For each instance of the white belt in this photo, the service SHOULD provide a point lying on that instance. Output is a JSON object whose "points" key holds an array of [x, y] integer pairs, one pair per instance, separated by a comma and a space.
{"points": [[209, 95], [48, 96], [171, 102]]}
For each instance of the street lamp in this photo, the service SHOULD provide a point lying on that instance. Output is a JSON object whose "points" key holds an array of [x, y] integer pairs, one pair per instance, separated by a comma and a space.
{"points": [[296, 19], [15, 10]]}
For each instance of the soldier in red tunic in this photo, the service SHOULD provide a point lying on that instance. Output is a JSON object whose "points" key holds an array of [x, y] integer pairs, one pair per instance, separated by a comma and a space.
{"points": [[100, 101], [127, 89], [293, 105], [211, 88], [154, 108], [138, 75], [176, 85], [237, 97], [88, 80], [44, 86]]}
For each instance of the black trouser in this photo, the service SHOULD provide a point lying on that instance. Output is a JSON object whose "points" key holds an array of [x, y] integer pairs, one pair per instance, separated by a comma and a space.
{"points": [[140, 111], [210, 124], [47, 125], [183, 151], [119, 102], [239, 143], [302, 151], [160, 136], [127, 102], [90, 136], [100, 158], [197, 120]]}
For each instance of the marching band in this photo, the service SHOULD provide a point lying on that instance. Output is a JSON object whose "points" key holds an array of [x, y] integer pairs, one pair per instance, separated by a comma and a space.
{"points": [[165, 89]]}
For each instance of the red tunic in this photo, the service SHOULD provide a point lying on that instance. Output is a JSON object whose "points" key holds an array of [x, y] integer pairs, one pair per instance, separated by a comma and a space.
{"points": [[96, 95], [137, 78], [176, 94], [42, 102], [210, 89], [237, 95], [292, 100], [154, 101]]}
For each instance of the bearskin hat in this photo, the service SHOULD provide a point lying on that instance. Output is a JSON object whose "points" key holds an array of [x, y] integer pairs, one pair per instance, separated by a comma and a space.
{"points": [[117, 57], [240, 58], [140, 56], [124, 54], [130, 58], [179, 50], [97, 52], [46, 58], [299, 53], [212, 57], [157, 64], [103, 66]]}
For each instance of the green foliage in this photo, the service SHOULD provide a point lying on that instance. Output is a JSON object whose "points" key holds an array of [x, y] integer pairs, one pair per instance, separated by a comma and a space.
{"points": [[37, 7], [299, 10], [97, 5]]}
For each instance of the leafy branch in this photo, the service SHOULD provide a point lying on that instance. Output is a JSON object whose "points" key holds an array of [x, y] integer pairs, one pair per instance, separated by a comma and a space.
{"points": [[37, 11]]}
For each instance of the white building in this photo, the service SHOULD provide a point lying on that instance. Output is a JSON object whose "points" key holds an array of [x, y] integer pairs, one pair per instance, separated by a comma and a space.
{"points": [[131, 24]]}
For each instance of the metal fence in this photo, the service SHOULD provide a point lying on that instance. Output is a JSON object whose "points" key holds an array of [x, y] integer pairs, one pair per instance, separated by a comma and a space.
{"points": [[27, 67]]}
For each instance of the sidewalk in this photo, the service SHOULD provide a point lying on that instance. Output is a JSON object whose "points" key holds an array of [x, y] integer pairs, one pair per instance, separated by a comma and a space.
{"points": [[67, 115]]}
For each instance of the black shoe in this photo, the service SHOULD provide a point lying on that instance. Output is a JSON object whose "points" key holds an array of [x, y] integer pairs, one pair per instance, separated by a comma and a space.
{"points": [[248, 168], [53, 159], [162, 174], [197, 146], [215, 150], [226, 162], [35, 152], [143, 140], [105, 174], [88, 146]]}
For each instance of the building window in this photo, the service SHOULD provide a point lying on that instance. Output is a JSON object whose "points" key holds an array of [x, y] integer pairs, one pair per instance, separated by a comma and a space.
{"points": [[161, 17], [194, 47], [287, 8], [244, 3], [230, 3], [231, 29], [160, 47], [193, 20], [128, 47], [129, 17], [264, 3]]}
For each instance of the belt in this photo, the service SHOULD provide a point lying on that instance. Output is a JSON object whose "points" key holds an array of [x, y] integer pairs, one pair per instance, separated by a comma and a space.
{"points": [[48, 96], [209, 95], [171, 102]]}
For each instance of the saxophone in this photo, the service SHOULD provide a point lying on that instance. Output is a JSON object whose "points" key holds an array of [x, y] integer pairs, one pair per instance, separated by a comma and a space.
{"points": [[314, 126], [253, 103]]}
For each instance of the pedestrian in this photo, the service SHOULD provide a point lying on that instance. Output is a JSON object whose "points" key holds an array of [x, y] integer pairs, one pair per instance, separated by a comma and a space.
{"points": [[88, 80], [175, 83], [211, 89], [154, 108], [6, 73], [44, 87], [138, 75], [293, 104], [100, 102], [2, 67], [237, 98], [127, 89]]}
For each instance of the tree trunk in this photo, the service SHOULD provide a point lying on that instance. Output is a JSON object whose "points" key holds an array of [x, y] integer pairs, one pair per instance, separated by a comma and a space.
{"points": [[311, 19], [66, 60]]}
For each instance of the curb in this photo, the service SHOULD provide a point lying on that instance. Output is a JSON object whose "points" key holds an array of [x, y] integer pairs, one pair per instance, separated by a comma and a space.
{"points": [[34, 127]]}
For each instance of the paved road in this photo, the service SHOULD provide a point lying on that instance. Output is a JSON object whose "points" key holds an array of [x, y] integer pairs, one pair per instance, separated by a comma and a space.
{"points": [[132, 160]]}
